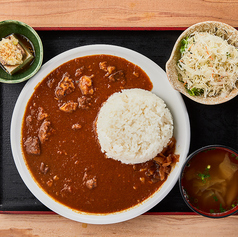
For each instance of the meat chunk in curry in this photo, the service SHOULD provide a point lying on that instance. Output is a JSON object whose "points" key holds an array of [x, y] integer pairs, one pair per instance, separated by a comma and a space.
{"points": [[86, 84], [69, 106], [76, 126], [108, 69], [65, 86], [41, 114], [84, 102], [45, 131], [91, 183], [32, 145], [117, 76], [44, 168], [79, 71]]}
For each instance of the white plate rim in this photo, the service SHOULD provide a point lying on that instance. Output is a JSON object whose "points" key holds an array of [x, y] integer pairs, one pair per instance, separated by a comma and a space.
{"points": [[161, 87]]}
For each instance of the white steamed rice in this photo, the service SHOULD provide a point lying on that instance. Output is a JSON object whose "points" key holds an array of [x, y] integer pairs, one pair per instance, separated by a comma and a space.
{"points": [[133, 126]]}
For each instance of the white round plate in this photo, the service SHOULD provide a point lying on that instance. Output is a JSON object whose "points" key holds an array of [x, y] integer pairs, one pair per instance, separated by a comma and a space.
{"points": [[161, 87]]}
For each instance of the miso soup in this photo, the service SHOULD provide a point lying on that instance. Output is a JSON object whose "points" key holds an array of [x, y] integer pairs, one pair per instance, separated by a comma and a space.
{"points": [[210, 180]]}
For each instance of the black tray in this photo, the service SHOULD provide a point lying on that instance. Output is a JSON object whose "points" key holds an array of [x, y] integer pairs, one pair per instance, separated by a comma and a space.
{"points": [[209, 124]]}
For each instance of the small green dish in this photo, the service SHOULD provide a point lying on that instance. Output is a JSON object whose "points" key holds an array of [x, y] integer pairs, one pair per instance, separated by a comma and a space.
{"points": [[9, 27]]}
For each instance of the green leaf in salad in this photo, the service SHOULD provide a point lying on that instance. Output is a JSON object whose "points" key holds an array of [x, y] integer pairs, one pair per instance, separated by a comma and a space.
{"points": [[184, 44], [195, 91], [180, 78]]}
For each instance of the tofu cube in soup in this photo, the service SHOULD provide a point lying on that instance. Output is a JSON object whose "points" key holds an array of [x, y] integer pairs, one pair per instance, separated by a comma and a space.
{"points": [[13, 54]]}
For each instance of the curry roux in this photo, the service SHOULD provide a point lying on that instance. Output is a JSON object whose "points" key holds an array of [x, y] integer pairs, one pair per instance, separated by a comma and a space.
{"points": [[60, 144]]}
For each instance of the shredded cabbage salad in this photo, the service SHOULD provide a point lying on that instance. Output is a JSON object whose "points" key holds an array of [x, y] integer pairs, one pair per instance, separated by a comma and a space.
{"points": [[208, 65]]}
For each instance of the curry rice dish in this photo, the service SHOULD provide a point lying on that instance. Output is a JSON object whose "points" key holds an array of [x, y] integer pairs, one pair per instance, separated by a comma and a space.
{"points": [[60, 143]]}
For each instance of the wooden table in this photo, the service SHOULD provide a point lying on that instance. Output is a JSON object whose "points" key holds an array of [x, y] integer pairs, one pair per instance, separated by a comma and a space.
{"points": [[145, 225], [123, 14]]}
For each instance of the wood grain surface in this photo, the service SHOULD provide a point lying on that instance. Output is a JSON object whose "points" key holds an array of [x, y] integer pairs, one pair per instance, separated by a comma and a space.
{"points": [[123, 13], [145, 225]]}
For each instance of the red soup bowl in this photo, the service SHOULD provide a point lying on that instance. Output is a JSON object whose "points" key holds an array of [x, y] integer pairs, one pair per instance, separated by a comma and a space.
{"points": [[209, 181]]}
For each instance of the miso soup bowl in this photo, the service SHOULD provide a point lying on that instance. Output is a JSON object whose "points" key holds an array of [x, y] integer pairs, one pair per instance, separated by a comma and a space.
{"points": [[182, 187]]}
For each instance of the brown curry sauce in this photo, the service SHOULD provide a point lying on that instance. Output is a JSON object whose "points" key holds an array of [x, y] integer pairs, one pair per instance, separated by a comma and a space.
{"points": [[60, 145]]}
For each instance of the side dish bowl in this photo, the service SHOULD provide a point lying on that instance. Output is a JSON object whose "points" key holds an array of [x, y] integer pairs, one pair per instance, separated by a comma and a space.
{"points": [[227, 32], [161, 87], [208, 181], [9, 27]]}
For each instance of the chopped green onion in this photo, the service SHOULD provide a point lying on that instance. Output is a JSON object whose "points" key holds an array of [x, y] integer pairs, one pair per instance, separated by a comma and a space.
{"points": [[204, 176], [221, 208], [215, 198]]}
